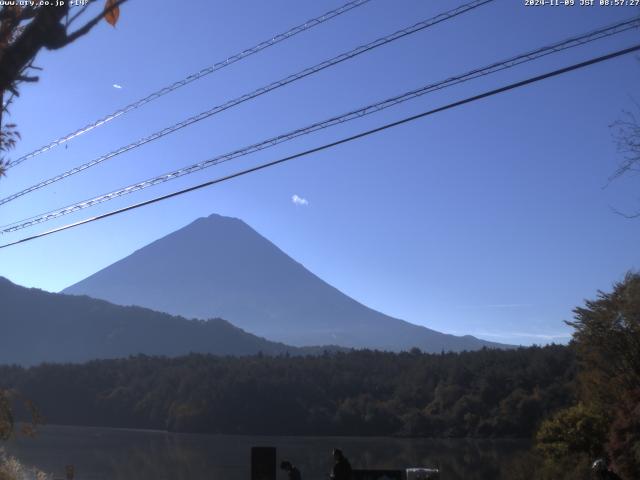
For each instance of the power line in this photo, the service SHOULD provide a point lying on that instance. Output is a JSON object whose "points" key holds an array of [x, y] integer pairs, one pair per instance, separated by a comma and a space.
{"points": [[193, 77], [366, 133], [352, 115], [256, 93]]}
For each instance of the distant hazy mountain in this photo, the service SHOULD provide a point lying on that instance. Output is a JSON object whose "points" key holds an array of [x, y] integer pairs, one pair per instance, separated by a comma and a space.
{"points": [[220, 267], [37, 326]]}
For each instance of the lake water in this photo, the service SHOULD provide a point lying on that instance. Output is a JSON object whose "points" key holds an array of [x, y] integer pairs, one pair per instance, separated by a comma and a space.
{"points": [[119, 454]]}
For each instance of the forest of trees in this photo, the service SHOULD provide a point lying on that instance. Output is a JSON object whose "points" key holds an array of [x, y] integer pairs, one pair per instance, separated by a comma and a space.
{"points": [[489, 393]]}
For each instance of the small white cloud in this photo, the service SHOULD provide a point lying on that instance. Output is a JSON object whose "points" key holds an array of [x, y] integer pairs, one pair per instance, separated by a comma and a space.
{"points": [[118, 86], [298, 200]]}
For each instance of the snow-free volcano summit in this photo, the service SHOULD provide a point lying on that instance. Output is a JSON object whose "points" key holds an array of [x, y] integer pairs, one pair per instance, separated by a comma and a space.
{"points": [[219, 267]]}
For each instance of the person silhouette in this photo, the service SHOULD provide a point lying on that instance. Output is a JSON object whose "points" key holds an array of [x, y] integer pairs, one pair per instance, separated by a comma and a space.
{"points": [[292, 472], [602, 471], [341, 467]]}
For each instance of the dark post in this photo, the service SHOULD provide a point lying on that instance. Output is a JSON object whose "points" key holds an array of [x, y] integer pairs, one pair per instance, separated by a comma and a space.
{"points": [[70, 471], [263, 463]]}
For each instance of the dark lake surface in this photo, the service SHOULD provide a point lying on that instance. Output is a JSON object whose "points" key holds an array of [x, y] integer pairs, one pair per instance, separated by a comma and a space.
{"points": [[114, 454]]}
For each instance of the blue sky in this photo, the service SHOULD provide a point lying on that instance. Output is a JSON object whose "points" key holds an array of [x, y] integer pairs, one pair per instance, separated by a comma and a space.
{"points": [[490, 219]]}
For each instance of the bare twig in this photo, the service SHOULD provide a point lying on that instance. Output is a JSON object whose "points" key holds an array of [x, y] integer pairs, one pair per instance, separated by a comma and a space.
{"points": [[625, 215], [27, 78], [81, 10], [91, 23]]}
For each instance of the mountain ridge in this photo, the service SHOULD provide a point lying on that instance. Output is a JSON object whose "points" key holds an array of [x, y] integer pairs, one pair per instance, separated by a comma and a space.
{"points": [[220, 267], [39, 326]]}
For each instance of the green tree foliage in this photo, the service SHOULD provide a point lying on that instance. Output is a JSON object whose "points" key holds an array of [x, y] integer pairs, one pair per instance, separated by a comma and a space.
{"points": [[607, 417], [571, 431], [607, 340], [488, 393]]}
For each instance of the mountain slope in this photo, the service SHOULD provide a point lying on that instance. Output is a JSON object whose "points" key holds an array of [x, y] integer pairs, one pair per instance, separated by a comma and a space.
{"points": [[38, 326], [220, 267]]}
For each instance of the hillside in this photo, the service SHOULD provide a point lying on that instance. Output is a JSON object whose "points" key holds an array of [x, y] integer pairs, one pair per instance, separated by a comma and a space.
{"points": [[38, 326]]}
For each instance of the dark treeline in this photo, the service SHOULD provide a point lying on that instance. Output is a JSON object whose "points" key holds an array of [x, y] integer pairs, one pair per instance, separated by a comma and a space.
{"points": [[488, 393]]}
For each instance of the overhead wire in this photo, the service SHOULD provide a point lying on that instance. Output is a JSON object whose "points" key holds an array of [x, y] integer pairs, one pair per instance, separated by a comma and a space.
{"points": [[255, 93], [348, 116], [326, 146]]}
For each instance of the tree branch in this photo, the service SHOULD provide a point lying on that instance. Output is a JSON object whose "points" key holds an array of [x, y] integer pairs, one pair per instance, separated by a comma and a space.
{"points": [[82, 10], [45, 30], [91, 23]]}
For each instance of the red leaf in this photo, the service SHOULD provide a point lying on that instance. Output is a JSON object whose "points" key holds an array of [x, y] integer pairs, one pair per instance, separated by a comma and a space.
{"points": [[111, 12]]}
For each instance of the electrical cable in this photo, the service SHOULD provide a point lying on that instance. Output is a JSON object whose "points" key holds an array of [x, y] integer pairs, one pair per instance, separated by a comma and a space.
{"points": [[366, 133]]}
